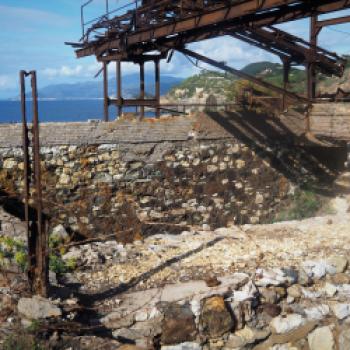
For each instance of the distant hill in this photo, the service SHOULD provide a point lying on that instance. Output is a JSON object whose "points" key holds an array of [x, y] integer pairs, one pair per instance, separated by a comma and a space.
{"points": [[222, 84], [94, 89]]}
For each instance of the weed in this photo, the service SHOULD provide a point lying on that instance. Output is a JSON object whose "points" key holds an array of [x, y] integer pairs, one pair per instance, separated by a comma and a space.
{"points": [[21, 341], [304, 204]]}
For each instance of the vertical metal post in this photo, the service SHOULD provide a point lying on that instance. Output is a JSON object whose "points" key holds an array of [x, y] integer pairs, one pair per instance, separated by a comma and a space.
{"points": [[286, 69], [142, 88], [157, 78], [119, 88], [42, 273], [105, 92], [82, 22], [311, 69], [26, 174]]}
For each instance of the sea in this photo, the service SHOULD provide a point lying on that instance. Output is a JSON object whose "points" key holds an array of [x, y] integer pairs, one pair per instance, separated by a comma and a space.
{"points": [[57, 111]]}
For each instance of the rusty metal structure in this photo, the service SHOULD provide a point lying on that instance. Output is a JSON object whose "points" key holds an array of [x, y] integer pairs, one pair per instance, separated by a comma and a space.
{"points": [[35, 223], [150, 30]]}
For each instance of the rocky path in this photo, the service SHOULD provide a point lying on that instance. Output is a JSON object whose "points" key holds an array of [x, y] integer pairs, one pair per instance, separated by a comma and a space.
{"points": [[283, 286]]}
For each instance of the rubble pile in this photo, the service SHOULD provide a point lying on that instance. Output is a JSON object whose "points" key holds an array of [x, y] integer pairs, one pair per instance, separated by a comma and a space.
{"points": [[286, 289]]}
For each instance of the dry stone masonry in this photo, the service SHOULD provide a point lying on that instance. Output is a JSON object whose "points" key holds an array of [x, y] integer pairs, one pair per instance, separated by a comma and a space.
{"points": [[101, 178]]}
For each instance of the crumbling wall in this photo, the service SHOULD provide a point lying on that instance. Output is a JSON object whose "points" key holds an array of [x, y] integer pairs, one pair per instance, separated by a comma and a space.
{"points": [[202, 177]]}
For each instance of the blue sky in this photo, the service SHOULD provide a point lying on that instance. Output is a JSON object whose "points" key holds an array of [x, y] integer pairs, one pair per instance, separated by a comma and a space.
{"points": [[33, 32]]}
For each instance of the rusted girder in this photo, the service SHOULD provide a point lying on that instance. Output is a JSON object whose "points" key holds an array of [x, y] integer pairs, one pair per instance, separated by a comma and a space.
{"points": [[243, 75], [38, 272], [218, 13], [290, 47]]}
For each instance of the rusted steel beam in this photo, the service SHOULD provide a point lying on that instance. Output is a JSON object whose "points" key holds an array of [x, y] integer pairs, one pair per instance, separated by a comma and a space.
{"points": [[126, 57], [311, 68], [251, 12], [332, 21], [134, 102], [26, 170], [105, 93], [142, 88], [243, 75], [288, 46], [157, 86], [41, 259], [119, 88]]}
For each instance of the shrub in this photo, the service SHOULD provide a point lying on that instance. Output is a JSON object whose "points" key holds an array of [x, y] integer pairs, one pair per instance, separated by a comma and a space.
{"points": [[304, 204]]}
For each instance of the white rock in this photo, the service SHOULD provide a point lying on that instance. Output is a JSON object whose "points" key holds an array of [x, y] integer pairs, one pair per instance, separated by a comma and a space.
{"points": [[284, 324], [318, 269], [60, 232], [329, 289], [74, 253], [318, 312], [340, 263], [321, 339], [183, 346], [195, 307], [248, 292], [344, 290], [141, 316], [273, 277], [36, 308], [340, 310]]}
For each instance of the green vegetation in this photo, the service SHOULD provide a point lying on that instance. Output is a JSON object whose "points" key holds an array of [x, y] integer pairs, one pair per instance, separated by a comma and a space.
{"points": [[209, 81], [56, 263], [224, 84], [304, 204], [15, 251], [21, 341]]}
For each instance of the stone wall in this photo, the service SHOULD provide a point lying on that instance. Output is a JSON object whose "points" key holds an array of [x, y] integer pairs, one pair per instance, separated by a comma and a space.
{"points": [[108, 177]]}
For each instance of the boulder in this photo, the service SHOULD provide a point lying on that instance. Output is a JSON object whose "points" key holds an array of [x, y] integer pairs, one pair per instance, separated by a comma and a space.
{"points": [[318, 312], [37, 308], [215, 319], [178, 325], [246, 336], [275, 277], [294, 291], [318, 269], [341, 310], [60, 232], [321, 339], [284, 324], [340, 263]]}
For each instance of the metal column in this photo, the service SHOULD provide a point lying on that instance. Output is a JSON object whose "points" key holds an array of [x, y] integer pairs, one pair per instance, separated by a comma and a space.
{"points": [[105, 92], [157, 78], [119, 88], [286, 69], [311, 69], [38, 271], [142, 88]]}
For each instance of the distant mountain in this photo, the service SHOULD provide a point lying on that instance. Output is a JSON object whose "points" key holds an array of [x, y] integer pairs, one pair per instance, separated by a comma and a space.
{"points": [[94, 89]]}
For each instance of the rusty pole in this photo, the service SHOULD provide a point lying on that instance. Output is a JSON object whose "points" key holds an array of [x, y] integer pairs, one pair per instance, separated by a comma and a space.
{"points": [[286, 69], [105, 92], [157, 78], [119, 87], [142, 88], [26, 174], [311, 69], [42, 272]]}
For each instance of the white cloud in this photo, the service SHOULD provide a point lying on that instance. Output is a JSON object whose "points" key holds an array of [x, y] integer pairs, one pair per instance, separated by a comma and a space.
{"points": [[7, 82]]}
